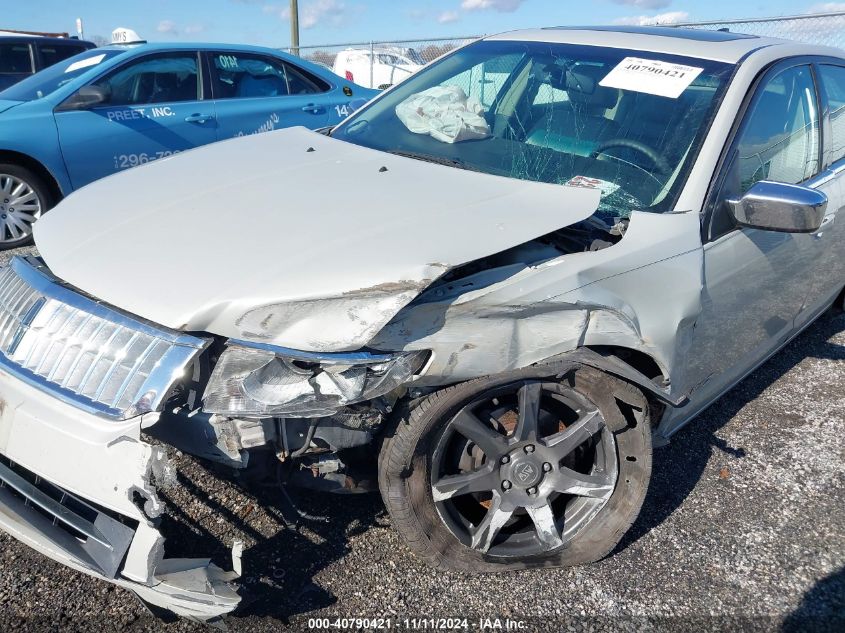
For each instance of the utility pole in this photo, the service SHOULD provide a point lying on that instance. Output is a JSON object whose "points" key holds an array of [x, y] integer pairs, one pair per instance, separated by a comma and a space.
{"points": [[294, 27]]}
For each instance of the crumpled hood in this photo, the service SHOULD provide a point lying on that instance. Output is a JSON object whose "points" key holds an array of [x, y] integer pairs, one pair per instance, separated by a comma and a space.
{"points": [[290, 237]]}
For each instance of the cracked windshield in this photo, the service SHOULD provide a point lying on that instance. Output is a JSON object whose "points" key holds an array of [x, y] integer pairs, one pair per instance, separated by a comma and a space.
{"points": [[628, 123]]}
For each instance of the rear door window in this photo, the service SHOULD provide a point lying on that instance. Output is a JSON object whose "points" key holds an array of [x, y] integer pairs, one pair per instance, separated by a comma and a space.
{"points": [[15, 59], [301, 82], [245, 76]]}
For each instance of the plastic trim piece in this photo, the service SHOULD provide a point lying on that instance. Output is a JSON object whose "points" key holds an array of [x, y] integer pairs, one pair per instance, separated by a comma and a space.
{"points": [[106, 540]]}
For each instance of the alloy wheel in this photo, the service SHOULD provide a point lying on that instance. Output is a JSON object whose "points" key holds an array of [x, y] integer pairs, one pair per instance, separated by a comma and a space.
{"points": [[20, 207], [521, 470]]}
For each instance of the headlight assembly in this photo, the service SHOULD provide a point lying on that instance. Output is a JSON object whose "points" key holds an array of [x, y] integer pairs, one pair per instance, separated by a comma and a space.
{"points": [[262, 381]]}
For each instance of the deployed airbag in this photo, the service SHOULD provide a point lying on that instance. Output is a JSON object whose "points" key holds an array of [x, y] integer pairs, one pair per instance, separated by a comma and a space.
{"points": [[445, 113]]}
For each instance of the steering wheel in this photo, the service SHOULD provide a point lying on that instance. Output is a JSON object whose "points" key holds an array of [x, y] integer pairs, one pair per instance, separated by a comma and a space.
{"points": [[656, 159]]}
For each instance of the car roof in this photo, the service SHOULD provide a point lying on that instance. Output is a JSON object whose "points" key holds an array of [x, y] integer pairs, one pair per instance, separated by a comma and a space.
{"points": [[705, 44], [170, 46]]}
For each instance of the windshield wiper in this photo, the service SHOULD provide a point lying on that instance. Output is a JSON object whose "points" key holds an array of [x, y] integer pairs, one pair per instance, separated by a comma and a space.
{"points": [[433, 158]]}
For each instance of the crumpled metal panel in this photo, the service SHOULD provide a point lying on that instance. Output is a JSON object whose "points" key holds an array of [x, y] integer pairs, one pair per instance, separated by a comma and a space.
{"points": [[492, 322], [371, 241]]}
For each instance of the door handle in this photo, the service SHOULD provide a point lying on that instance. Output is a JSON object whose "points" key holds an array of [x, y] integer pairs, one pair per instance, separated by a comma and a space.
{"points": [[312, 108], [828, 220], [199, 118]]}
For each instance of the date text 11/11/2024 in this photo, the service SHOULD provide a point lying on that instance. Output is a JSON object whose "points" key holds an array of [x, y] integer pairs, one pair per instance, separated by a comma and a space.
{"points": [[417, 624]]}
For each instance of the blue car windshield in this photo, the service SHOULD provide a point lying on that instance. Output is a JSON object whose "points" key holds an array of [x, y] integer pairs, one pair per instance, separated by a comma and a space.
{"points": [[626, 122], [51, 79]]}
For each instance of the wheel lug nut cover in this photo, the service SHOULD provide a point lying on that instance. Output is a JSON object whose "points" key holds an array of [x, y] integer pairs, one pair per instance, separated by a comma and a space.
{"points": [[505, 459], [529, 449], [547, 466], [506, 484]]}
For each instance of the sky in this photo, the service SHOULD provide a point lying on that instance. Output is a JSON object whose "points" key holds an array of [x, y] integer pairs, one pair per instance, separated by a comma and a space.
{"points": [[267, 22]]}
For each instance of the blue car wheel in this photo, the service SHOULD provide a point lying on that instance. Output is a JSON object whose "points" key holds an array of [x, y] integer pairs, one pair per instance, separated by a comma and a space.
{"points": [[24, 197]]}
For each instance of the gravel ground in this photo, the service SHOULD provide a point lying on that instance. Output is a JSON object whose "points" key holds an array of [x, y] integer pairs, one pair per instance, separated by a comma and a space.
{"points": [[743, 528]]}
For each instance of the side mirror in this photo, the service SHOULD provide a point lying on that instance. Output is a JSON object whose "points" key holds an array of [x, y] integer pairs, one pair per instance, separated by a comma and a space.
{"points": [[86, 97], [776, 206]]}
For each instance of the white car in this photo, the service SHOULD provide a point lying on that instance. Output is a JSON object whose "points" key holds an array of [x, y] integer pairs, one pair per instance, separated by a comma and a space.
{"points": [[377, 68], [537, 257]]}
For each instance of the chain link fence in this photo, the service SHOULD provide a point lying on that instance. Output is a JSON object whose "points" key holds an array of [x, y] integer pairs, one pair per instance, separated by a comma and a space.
{"points": [[826, 29], [379, 64]]}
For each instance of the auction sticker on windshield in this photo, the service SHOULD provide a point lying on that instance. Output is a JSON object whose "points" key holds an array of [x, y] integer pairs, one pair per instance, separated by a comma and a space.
{"points": [[651, 76]]}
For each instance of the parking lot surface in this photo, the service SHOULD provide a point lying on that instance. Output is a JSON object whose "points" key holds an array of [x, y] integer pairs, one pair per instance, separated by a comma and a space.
{"points": [[743, 528]]}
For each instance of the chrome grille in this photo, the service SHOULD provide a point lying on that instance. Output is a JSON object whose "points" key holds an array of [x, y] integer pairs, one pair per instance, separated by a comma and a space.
{"points": [[83, 351]]}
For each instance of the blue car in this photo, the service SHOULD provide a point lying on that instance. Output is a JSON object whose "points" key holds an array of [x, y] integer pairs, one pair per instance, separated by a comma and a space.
{"points": [[112, 108]]}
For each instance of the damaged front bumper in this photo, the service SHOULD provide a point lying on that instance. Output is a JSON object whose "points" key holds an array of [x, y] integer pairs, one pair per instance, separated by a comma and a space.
{"points": [[80, 489]]}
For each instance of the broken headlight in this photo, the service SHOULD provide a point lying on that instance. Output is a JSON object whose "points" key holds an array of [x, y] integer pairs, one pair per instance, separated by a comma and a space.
{"points": [[263, 381]]}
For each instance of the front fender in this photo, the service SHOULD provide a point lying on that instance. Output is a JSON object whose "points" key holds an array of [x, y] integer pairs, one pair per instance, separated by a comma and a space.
{"points": [[29, 132]]}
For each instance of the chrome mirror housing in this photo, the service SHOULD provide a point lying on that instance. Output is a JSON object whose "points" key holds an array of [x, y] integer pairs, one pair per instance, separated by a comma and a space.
{"points": [[776, 206]]}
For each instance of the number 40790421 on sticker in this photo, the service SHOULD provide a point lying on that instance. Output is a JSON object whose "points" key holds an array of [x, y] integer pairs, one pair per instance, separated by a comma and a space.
{"points": [[651, 76]]}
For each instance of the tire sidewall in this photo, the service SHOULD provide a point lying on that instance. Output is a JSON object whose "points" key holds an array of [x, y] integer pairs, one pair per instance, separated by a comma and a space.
{"points": [[412, 448]]}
